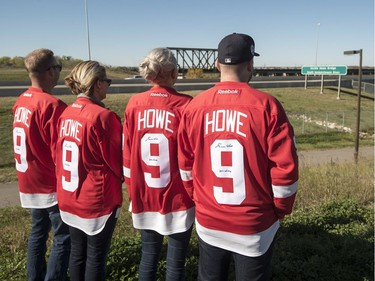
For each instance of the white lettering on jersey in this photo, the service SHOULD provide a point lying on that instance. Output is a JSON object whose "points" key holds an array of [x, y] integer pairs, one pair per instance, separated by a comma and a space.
{"points": [[159, 95], [228, 91], [70, 128], [155, 118], [225, 120], [75, 105], [22, 115]]}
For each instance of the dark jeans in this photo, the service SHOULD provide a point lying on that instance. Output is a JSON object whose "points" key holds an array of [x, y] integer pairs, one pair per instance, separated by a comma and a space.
{"points": [[89, 252], [214, 264], [56, 268], [152, 243]]}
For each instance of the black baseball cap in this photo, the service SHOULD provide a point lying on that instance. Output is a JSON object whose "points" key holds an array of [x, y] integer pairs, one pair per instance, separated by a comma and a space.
{"points": [[236, 48]]}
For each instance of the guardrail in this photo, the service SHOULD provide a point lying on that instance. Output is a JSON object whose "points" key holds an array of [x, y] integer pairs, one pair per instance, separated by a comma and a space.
{"points": [[124, 86], [366, 87]]}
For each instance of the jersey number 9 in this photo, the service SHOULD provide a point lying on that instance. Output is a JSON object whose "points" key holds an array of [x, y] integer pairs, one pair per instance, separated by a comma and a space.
{"points": [[19, 145], [70, 156], [160, 160], [234, 171]]}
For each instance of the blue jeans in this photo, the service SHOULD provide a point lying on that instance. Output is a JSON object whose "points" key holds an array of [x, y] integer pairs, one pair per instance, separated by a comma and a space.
{"points": [[56, 268], [89, 252], [214, 264], [152, 243]]}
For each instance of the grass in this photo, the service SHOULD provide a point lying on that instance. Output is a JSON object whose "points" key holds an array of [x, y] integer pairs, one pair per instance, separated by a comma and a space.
{"points": [[19, 73], [329, 236], [296, 101]]}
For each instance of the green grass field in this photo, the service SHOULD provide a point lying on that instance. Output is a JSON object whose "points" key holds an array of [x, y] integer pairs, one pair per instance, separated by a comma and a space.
{"points": [[296, 101], [329, 236]]}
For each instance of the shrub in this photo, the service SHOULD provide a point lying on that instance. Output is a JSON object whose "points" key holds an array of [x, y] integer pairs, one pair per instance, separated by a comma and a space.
{"points": [[331, 241], [194, 73]]}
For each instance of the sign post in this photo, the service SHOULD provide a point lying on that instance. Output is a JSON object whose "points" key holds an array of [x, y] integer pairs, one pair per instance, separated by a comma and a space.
{"points": [[356, 144], [325, 70]]}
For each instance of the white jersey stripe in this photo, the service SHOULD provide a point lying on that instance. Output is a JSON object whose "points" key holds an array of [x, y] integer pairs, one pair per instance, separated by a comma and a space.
{"points": [[91, 226], [38, 200], [126, 172], [251, 245], [165, 224], [284, 191], [186, 175]]}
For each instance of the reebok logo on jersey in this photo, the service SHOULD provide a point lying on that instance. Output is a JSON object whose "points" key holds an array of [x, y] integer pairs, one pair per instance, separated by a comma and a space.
{"points": [[228, 92], [74, 105], [159, 95]]}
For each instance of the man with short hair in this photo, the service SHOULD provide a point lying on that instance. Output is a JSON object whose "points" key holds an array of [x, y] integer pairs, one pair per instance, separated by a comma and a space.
{"points": [[36, 113], [238, 162]]}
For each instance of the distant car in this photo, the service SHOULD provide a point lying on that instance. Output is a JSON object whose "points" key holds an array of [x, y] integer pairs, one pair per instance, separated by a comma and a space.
{"points": [[134, 77]]}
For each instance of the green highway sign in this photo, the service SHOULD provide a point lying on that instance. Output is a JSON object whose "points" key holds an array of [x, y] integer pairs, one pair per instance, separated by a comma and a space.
{"points": [[324, 70]]}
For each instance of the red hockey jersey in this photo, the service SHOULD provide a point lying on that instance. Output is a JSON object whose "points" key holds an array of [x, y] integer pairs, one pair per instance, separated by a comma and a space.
{"points": [[34, 139], [238, 161], [88, 165], [158, 198]]}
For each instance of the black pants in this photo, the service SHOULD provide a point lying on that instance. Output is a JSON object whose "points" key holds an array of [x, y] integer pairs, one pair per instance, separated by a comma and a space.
{"points": [[152, 243], [88, 253], [214, 264]]}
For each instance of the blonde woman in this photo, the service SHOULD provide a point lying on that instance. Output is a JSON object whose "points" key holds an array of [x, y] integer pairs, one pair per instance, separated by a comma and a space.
{"points": [[159, 203], [89, 172]]}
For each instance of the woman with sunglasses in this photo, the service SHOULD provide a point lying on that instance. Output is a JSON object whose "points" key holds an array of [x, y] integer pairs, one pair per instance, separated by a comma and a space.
{"points": [[89, 171], [160, 205]]}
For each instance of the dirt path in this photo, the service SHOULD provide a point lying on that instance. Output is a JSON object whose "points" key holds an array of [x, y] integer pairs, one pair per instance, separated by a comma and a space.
{"points": [[320, 157], [9, 191]]}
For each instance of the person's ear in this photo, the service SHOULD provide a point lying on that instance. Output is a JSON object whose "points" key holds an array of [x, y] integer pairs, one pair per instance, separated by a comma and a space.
{"points": [[174, 73], [98, 85], [217, 64], [50, 71], [250, 66]]}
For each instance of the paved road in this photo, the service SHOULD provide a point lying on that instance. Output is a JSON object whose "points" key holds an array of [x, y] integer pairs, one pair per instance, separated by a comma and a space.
{"points": [[8, 89], [9, 191]]}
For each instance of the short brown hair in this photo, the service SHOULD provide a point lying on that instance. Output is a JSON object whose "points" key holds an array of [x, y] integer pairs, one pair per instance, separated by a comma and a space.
{"points": [[39, 60]]}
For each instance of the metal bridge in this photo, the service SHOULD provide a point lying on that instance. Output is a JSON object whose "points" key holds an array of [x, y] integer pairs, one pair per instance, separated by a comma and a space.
{"points": [[195, 58], [201, 58]]}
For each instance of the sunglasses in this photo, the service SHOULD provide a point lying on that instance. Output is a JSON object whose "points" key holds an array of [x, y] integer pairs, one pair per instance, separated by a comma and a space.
{"points": [[109, 81], [57, 66]]}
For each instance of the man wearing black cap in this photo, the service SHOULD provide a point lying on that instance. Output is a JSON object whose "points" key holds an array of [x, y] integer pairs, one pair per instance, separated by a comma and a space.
{"points": [[238, 162]]}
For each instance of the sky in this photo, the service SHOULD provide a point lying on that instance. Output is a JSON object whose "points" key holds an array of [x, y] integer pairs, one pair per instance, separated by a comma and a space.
{"points": [[288, 33]]}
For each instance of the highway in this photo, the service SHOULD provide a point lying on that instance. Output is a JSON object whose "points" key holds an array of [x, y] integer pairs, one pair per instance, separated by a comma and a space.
{"points": [[139, 85]]}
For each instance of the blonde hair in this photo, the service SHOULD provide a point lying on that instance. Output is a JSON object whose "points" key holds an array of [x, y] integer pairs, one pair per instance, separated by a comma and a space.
{"points": [[83, 77], [158, 64], [39, 60]]}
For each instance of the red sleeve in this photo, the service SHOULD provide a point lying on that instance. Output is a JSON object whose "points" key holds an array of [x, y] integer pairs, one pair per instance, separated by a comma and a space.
{"points": [[110, 142], [185, 155], [50, 130], [126, 148], [282, 154]]}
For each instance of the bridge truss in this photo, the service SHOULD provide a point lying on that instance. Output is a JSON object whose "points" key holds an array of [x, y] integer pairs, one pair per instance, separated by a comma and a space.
{"points": [[202, 58], [195, 58]]}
